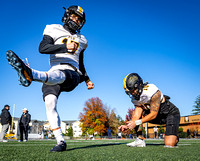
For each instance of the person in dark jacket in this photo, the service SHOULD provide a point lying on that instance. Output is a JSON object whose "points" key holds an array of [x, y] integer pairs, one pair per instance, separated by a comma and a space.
{"points": [[5, 122], [24, 124]]}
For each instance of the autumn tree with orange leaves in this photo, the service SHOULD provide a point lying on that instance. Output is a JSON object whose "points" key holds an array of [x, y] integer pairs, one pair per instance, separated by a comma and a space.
{"points": [[130, 114], [93, 117]]}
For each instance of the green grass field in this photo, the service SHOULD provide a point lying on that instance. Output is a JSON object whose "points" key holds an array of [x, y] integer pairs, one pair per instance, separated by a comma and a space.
{"points": [[101, 150]]}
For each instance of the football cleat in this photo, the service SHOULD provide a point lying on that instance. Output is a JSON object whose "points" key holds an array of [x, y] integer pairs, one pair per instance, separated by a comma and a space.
{"points": [[59, 147], [137, 143], [23, 71]]}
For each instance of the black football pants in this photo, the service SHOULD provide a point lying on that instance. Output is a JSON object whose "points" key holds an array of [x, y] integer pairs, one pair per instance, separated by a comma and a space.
{"points": [[23, 130]]}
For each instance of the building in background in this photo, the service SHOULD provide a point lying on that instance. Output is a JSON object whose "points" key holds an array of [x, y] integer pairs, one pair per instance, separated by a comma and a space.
{"points": [[77, 129], [46, 126], [65, 125]]}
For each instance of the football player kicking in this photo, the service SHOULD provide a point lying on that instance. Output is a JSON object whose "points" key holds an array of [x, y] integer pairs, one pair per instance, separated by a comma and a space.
{"points": [[150, 106], [66, 46]]}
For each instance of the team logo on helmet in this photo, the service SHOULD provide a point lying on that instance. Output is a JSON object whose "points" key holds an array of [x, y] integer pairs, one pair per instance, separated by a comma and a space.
{"points": [[80, 10]]}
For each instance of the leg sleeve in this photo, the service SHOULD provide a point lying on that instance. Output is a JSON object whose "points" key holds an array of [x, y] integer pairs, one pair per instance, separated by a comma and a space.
{"points": [[51, 111]]}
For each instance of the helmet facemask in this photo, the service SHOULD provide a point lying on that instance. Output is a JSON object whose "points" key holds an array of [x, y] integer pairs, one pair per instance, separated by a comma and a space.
{"points": [[136, 92]]}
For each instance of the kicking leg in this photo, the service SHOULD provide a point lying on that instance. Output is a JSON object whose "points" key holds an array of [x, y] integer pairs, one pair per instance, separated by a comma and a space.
{"points": [[50, 77], [27, 75]]}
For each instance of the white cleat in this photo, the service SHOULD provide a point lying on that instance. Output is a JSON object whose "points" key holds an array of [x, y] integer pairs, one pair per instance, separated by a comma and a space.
{"points": [[137, 143]]}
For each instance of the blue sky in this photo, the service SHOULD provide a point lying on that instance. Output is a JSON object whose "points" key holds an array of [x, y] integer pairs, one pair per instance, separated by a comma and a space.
{"points": [[157, 39]]}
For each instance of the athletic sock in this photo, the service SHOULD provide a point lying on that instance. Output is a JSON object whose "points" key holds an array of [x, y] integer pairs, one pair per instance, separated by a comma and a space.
{"points": [[39, 76], [139, 135], [58, 135], [49, 78]]}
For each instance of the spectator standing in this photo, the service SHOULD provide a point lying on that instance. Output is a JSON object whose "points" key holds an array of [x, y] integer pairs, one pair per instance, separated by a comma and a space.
{"points": [[188, 133], [193, 133], [24, 124], [155, 131], [49, 134], [109, 133], [5, 122]]}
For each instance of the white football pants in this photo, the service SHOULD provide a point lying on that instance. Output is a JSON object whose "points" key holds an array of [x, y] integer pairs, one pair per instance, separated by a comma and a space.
{"points": [[50, 77]]}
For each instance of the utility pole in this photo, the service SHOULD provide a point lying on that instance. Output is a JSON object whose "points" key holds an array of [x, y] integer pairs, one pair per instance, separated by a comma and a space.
{"points": [[146, 130]]}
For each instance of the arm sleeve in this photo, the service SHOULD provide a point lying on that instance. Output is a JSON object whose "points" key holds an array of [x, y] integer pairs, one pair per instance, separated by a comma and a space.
{"points": [[47, 46], [82, 67]]}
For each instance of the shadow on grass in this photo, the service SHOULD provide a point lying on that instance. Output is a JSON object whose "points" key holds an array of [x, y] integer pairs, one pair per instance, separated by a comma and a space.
{"points": [[94, 146], [111, 144], [155, 144]]}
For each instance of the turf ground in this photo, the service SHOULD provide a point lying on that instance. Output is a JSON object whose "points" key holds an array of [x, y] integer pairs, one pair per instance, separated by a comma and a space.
{"points": [[99, 150]]}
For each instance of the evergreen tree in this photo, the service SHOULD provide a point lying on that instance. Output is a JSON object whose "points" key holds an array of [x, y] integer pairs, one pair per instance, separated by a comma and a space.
{"points": [[70, 131], [113, 122], [196, 106]]}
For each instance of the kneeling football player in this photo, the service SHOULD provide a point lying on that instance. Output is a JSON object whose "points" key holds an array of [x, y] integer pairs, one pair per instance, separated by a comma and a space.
{"points": [[150, 106]]}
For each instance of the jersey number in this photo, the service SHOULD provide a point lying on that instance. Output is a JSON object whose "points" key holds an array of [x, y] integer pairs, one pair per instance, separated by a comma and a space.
{"points": [[67, 40]]}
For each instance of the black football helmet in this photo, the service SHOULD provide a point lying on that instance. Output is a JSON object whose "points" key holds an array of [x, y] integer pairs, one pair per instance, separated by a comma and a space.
{"points": [[70, 23], [131, 82]]}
